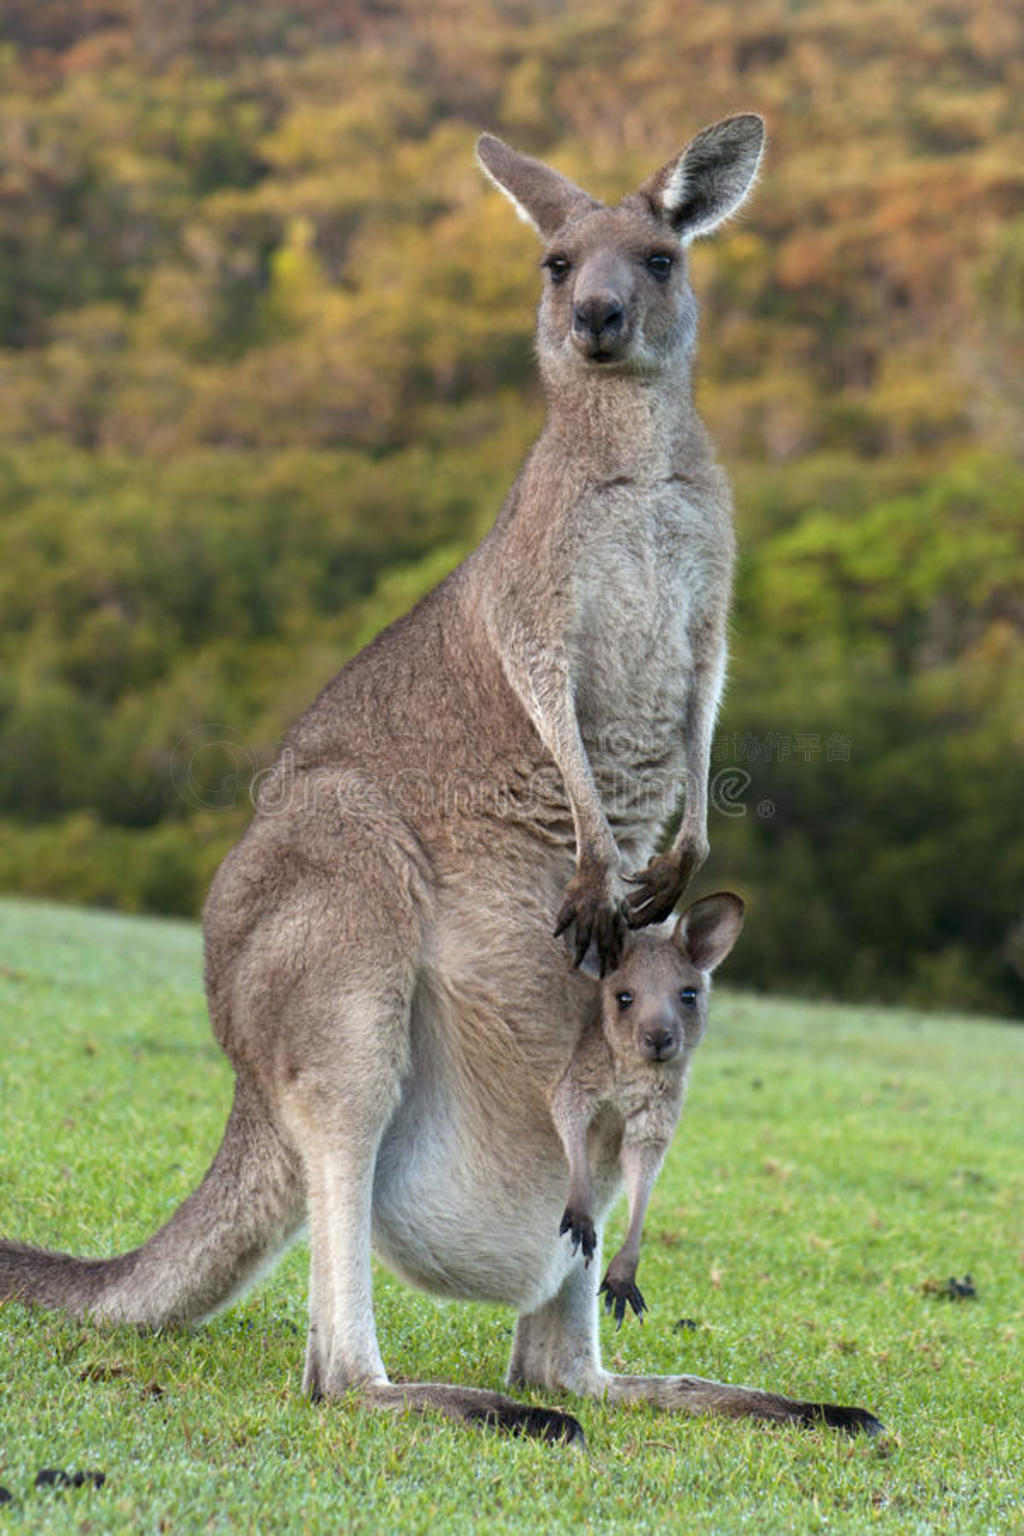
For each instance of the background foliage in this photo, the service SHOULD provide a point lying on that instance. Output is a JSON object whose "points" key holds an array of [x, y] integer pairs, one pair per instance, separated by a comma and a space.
{"points": [[265, 374]]}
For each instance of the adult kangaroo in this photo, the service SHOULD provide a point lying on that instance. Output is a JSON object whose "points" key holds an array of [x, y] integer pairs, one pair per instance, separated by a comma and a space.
{"points": [[381, 962]]}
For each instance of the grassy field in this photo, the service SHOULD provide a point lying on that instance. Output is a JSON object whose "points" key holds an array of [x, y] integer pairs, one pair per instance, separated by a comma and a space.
{"points": [[835, 1167]]}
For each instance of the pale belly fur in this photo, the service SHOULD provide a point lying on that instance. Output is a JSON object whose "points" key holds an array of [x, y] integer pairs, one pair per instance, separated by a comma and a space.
{"points": [[448, 1218], [471, 1179]]}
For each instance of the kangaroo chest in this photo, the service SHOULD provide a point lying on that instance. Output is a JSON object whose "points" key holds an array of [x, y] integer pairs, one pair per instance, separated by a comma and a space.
{"points": [[648, 577]]}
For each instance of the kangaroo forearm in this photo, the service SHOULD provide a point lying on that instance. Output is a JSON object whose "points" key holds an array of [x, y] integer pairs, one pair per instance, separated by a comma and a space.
{"points": [[581, 1192], [630, 1248], [640, 1164], [699, 727], [581, 1184], [539, 673], [595, 842]]}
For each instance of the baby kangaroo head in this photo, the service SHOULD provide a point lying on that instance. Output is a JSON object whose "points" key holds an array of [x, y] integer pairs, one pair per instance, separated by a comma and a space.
{"points": [[617, 295], [655, 1005]]}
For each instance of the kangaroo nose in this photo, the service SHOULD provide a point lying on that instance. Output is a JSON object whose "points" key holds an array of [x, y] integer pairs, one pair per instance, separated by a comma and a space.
{"points": [[658, 1042], [600, 315]]}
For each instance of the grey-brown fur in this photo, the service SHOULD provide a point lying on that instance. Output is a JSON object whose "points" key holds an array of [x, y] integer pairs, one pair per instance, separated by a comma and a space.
{"points": [[618, 1102], [380, 963]]}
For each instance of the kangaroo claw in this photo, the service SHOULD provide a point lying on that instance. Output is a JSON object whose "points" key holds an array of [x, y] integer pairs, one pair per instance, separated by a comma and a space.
{"points": [[596, 917], [581, 1232], [618, 1294]]}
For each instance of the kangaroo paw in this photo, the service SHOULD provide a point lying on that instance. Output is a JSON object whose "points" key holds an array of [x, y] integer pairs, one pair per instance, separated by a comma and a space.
{"points": [[471, 1405], [581, 1232], [656, 890], [620, 1294], [596, 916]]}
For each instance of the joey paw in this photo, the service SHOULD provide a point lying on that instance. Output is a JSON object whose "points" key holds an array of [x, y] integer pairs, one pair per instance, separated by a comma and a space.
{"points": [[618, 1294], [596, 915], [581, 1231]]}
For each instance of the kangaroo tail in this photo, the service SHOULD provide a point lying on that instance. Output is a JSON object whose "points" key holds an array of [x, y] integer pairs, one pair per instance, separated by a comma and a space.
{"points": [[251, 1201]]}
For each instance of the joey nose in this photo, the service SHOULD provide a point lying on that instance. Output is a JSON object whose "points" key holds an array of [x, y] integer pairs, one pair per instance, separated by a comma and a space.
{"points": [[659, 1043]]}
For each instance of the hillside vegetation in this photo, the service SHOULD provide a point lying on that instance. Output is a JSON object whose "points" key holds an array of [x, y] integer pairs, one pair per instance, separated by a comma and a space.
{"points": [[265, 374], [829, 1176]]}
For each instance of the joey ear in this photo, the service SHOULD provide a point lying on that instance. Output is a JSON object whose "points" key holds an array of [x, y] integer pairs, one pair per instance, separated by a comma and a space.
{"points": [[709, 928], [702, 186], [541, 196]]}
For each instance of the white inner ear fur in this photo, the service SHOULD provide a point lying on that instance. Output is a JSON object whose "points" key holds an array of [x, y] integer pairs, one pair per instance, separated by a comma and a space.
{"points": [[676, 190]]}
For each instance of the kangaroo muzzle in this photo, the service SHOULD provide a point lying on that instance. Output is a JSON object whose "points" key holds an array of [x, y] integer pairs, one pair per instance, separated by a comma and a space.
{"points": [[599, 328]]}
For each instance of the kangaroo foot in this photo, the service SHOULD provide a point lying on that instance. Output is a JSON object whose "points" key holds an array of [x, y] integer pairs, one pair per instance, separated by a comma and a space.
{"points": [[581, 1232], [852, 1421], [472, 1405], [548, 1424], [697, 1395]]}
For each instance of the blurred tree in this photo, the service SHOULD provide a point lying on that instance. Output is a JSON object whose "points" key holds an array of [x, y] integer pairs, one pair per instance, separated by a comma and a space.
{"points": [[265, 373]]}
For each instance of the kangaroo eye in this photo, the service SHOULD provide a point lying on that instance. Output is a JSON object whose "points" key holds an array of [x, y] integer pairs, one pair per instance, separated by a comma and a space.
{"points": [[624, 1000], [688, 997], [660, 265], [559, 268]]}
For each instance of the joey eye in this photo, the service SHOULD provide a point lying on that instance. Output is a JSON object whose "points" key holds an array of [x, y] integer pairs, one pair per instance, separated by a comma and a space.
{"points": [[624, 1000], [688, 997], [659, 264], [559, 267]]}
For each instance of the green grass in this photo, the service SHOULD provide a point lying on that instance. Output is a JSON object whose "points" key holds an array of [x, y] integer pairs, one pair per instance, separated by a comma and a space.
{"points": [[832, 1163]]}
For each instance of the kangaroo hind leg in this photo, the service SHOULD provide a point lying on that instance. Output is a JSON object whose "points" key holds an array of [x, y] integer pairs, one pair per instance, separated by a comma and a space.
{"points": [[556, 1347], [342, 1047], [337, 1114], [345, 1048]]}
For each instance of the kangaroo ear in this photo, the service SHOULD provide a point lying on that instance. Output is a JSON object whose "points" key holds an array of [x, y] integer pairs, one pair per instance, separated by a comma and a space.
{"points": [[709, 928], [702, 186], [541, 197]]}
